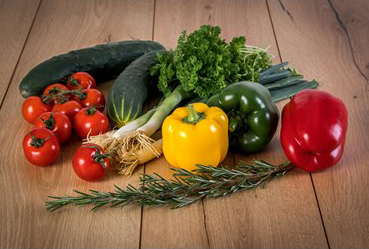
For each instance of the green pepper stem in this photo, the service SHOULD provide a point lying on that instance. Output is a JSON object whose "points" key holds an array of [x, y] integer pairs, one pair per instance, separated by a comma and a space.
{"points": [[193, 116], [232, 126], [235, 122]]}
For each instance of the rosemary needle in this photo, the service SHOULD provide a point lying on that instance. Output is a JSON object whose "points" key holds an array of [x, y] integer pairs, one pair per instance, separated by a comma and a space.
{"points": [[186, 187]]}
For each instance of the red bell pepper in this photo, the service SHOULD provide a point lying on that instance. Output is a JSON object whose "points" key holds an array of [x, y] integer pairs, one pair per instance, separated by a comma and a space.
{"points": [[313, 133]]}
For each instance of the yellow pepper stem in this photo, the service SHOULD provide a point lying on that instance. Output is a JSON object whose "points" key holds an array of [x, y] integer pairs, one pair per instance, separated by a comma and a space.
{"points": [[193, 116]]}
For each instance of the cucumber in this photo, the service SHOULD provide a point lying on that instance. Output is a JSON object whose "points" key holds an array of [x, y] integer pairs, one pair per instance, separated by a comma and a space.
{"points": [[131, 89], [103, 62]]}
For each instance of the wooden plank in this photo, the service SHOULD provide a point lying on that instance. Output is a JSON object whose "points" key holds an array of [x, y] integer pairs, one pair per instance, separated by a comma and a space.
{"points": [[328, 41], [284, 215], [178, 228], [278, 215], [24, 187], [16, 18], [354, 20]]}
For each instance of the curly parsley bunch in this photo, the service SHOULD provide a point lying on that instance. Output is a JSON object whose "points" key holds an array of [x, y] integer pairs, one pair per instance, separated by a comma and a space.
{"points": [[204, 63]]}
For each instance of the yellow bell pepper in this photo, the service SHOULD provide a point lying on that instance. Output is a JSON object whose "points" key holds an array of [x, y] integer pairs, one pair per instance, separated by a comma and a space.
{"points": [[194, 135]]}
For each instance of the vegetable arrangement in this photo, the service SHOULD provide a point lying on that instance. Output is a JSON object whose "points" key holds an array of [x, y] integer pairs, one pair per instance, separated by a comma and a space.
{"points": [[202, 64], [215, 95]]}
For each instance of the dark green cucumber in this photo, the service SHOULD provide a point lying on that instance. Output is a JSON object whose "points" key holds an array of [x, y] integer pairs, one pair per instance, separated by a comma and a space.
{"points": [[131, 89], [103, 62]]}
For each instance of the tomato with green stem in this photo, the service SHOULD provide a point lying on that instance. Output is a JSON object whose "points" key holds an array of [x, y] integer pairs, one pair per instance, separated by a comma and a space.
{"points": [[70, 109], [90, 122], [81, 80], [41, 147], [53, 94], [33, 107], [91, 97], [56, 122], [90, 162]]}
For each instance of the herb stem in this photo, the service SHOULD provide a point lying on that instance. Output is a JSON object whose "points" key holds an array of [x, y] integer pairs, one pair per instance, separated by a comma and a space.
{"points": [[186, 187]]}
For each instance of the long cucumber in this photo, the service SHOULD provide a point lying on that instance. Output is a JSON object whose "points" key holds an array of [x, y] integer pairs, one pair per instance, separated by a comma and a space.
{"points": [[103, 62]]}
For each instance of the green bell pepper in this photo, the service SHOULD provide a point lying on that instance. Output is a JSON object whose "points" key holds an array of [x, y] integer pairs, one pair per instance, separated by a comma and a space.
{"points": [[253, 116]]}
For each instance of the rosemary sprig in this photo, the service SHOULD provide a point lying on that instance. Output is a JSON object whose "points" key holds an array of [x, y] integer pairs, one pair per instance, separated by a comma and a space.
{"points": [[186, 187]]}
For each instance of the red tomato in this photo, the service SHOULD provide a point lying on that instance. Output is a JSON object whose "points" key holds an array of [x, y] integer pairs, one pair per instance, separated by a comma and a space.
{"points": [[41, 147], [50, 92], [56, 122], [90, 121], [90, 163], [81, 79], [91, 97], [70, 109], [33, 107]]}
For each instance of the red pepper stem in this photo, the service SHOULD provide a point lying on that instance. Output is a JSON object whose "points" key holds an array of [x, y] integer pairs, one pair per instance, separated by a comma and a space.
{"points": [[193, 116]]}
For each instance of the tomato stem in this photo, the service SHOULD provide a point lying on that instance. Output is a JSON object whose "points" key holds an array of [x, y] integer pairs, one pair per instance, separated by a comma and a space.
{"points": [[73, 81], [80, 95], [99, 158], [38, 142], [91, 110], [57, 94], [50, 122]]}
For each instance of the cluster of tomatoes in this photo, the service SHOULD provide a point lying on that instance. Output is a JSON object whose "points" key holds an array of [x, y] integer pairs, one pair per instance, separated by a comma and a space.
{"points": [[60, 109]]}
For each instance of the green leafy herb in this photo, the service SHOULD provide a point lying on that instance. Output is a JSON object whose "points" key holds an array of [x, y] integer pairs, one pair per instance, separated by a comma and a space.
{"points": [[204, 63], [186, 187], [166, 71]]}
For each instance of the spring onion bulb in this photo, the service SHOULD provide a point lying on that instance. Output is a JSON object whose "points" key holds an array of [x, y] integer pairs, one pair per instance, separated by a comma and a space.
{"points": [[134, 139]]}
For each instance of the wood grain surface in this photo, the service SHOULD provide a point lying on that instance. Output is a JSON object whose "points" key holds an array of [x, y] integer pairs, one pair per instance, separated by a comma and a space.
{"points": [[224, 221], [326, 40], [337, 33], [76, 24], [16, 18]]}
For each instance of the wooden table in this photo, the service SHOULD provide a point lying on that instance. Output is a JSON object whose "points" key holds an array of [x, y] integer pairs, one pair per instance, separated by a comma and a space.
{"points": [[323, 39]]}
